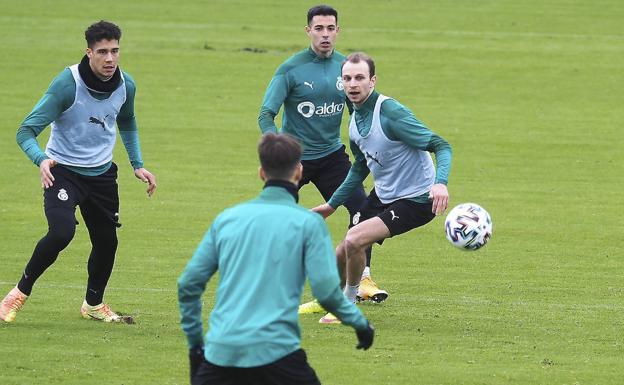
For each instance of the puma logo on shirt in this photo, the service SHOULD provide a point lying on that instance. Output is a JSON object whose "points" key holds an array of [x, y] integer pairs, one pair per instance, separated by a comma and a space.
{"points": [[97, 121], [374, 158]]}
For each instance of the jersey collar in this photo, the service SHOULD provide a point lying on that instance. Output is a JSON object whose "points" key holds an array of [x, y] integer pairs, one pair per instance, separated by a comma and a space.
{"points": [[369, 104], [285, 185], [316, 57]]}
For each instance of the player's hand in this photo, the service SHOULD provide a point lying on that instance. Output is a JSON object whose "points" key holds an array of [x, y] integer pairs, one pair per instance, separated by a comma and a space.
{"points": [[196, 357], [325, 210], [439, 195], [148, 178], [44, 172], [365, 337]]}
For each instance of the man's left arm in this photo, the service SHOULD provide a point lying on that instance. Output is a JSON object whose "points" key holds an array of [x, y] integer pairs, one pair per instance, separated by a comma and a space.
{"points": [[401, 124], [126, 122]]}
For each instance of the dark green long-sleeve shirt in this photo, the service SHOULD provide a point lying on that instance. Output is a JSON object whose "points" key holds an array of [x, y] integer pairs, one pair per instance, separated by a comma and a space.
{"points": [[311, 91]]}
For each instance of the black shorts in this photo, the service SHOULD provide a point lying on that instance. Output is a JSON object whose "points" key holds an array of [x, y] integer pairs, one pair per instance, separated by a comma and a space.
{"points": [[400, 216], [96, 195], [291, 369], [328, 173]]}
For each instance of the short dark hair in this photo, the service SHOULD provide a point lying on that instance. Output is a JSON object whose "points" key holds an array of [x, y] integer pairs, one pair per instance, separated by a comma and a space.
{"points": [[279, 154], [357, 57], [102, 30], [322, 10]]}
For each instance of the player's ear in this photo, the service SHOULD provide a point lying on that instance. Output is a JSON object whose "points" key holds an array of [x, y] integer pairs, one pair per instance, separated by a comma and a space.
{"points": [[89, 52], [373, 80], [298, 172], [261, 174]]}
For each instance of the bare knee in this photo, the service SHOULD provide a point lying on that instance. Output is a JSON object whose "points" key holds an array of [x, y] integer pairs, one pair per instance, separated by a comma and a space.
{"points": [[353, 243], [340, 251]]}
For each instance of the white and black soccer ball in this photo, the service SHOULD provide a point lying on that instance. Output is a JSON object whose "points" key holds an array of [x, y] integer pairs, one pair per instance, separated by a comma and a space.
{"points": [[468, 226]]}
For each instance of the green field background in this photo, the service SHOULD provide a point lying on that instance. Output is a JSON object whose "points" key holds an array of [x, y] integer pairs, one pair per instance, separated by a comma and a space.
{"points": [[529, 94]]}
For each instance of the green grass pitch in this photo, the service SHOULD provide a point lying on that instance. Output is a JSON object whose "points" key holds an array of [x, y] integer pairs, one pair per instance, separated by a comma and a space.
{"points": [[529, 93]]}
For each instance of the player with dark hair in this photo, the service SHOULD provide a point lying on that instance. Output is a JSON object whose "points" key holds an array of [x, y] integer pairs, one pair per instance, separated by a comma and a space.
{"points": [[263, 249], [388, 141], [322, 10], [309, 86], [102, 30], [83, 104]]}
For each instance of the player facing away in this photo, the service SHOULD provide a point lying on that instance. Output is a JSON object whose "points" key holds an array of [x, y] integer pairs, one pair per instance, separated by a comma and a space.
{"points": [[309, 86], [83, 104], [263, 249], [388, 141]]}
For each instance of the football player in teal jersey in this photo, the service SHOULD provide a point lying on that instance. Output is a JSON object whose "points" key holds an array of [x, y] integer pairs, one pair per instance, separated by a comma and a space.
{"points": [[309, 86], [264, 249], [388, 141], [84, 105]]}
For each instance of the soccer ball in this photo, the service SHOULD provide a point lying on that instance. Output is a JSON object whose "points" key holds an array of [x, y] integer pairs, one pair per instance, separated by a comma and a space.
{"points": [[468, 226]]}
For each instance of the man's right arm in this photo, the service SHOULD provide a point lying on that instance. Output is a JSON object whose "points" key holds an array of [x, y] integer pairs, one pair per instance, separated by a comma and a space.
{"points": [[274, 97], [357, 174], [191, 286], [59, 97], [321, 270]]}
